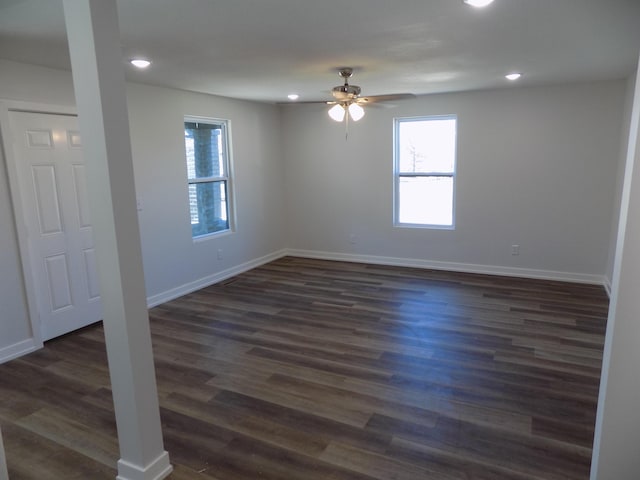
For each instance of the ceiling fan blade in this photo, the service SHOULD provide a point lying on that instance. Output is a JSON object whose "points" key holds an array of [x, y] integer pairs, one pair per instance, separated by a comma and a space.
{"points": [[385, 98], [317, 102]]}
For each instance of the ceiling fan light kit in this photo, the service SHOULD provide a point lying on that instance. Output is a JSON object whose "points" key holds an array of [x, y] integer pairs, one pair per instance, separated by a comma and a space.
{"points": [[337, 112], [356, 112]]}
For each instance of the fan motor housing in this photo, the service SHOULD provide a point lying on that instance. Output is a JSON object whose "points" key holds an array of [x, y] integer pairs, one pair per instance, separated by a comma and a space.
{"points": [[346, 92]]}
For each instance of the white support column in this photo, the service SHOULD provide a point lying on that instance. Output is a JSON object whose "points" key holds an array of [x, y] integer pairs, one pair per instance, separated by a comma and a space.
{"points": [[98, 77], [4, 474], [617, 434]]}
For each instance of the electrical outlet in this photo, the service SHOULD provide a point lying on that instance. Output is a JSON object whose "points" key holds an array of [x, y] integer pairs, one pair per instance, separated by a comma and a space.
{"points": [[352, 238], [219, 254], [515, 249]]}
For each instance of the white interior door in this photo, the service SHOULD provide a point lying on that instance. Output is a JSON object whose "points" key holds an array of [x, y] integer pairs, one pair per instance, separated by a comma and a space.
{"points": [[50, 167]]}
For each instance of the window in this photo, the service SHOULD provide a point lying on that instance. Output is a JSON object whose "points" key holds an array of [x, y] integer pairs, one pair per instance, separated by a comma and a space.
{"points": [[206, 145], [424, 171]]}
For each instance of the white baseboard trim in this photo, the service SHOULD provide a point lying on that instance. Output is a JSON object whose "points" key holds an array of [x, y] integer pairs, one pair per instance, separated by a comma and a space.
{"points": [[454, 267], [157, 470], [18, 349], [607, 286], [190, 287]]}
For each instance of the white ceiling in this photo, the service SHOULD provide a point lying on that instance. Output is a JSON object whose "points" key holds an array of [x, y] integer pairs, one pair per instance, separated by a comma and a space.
{"points": [[264, 49]]}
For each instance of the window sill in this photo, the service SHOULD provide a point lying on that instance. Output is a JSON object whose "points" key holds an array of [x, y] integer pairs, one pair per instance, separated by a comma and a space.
{"points": [[423, 226], [211, 236]]}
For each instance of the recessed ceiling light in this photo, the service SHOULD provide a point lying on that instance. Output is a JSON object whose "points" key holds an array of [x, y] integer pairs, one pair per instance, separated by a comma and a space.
{"points": [[478, 3], [140, 62], [293, 96], [513, 76]]}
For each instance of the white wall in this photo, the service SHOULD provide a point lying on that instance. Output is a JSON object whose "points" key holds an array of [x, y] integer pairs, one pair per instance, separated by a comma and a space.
{"points": [[536, 167], [624, 142], [173, 263], [19, 81]]}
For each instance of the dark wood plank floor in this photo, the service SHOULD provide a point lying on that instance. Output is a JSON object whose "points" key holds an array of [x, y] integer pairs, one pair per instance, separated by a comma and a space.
{"points": [[315, 370]]}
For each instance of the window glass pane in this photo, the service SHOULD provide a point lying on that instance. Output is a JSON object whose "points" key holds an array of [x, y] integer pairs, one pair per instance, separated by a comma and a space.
{"points": [[193, 204], [211, 208], [204, 148], [426, 200], [427, 145]]}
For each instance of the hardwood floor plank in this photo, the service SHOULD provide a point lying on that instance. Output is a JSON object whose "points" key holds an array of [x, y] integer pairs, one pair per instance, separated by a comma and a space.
{"points": [[31, 456], [502, 447], [253, 459], [99, 445], [305, 369], [453, 461], [344, 398], [383, 467], [320, 426]]}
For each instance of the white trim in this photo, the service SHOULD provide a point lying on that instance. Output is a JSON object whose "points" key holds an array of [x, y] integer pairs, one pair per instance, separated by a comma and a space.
{"points": [[397, 174], [174, 293], [157, 470], [227, 153], [37, 107], [18, 349], [454, 267], [607, 286], [7, 106], [209, 236], [4, 474]]}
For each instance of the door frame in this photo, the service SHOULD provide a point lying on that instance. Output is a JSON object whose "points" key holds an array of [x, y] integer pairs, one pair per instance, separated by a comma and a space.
{"points": [[18, 203]]}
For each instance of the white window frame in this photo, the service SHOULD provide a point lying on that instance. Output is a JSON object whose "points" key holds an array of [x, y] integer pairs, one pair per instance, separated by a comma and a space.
{"points": [[397, 174], [227, 179]]}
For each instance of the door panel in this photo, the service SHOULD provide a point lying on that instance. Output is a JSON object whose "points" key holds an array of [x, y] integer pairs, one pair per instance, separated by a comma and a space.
{"points": [[91, 273], [39, 138], [46, 191], [51, 176], [59, 285], [80, 190]]}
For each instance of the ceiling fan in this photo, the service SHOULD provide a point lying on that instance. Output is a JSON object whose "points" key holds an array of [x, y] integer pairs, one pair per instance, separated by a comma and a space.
{"points": [[348, 102]]}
